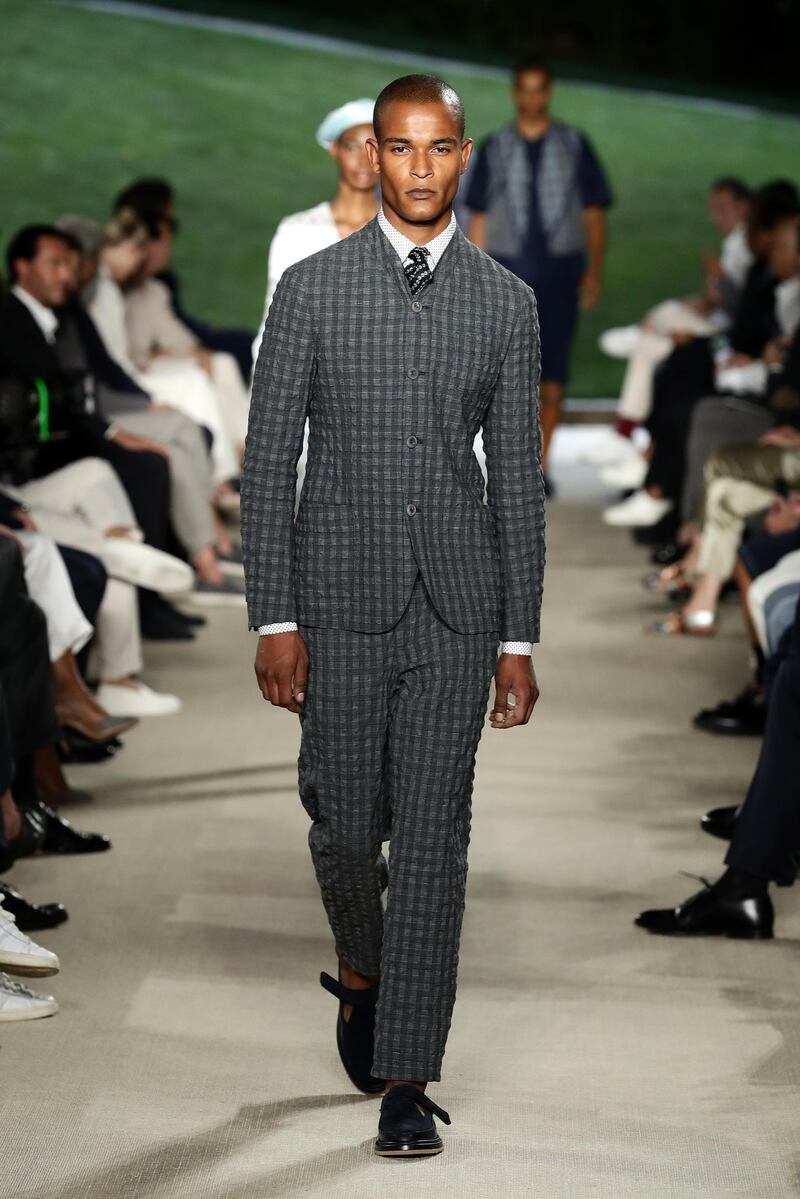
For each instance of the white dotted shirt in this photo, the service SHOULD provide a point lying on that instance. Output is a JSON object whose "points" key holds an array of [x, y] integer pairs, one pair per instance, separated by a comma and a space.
{"points": [[403, 247]]}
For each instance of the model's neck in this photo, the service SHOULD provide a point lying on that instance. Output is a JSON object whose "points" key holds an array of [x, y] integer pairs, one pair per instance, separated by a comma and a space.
{"points": [[536, 127], [420, 232], [354, 206]]}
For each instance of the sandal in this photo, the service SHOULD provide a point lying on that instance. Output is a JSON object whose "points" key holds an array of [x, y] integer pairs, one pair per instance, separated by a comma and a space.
{"points": [[688, 624], [670, 579]]}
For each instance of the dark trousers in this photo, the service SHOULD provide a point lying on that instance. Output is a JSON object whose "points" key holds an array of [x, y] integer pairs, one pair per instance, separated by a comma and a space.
{"points": [[25, 674], [391, 723], [680, 381], [768, 826]]}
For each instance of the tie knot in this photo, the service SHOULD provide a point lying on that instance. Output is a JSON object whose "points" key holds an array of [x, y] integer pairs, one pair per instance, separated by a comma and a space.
{"points": [[419, 254]]}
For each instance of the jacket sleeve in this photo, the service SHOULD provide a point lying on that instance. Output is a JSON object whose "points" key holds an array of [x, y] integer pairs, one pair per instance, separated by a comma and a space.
{"points": [[282, 386], [512, 442]]}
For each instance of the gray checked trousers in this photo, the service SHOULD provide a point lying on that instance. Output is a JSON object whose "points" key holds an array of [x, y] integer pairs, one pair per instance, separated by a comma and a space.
{"points": [[390, 728]]}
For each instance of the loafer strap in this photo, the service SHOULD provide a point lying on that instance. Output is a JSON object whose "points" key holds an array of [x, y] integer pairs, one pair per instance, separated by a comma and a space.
{"points": [[406, 1092], [365, 998]]}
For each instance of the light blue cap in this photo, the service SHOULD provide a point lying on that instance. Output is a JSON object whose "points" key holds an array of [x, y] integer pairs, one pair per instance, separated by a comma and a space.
{"points": [[354, 112]]}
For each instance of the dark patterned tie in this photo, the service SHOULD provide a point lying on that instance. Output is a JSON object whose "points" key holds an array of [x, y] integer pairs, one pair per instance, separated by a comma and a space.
{"points": [[416, 269]]}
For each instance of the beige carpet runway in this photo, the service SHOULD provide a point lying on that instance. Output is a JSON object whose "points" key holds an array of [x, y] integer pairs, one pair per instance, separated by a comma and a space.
{"points": [[193, 1057]]}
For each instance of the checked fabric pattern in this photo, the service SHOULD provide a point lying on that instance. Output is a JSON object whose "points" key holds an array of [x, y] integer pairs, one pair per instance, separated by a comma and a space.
{"points": [[416, 269], [395, 388], [428, 686]]}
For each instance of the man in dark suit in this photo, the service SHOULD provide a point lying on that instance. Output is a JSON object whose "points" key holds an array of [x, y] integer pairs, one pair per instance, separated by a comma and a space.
{"points": [[764, 833], [39, 268], [381, 609]]}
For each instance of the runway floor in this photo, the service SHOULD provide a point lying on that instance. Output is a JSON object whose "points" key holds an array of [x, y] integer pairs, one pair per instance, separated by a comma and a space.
{"points": [[193, 1057]]}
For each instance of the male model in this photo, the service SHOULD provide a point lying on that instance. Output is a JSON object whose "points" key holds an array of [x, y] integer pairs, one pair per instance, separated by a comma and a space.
{"points": [[343, 133], [396, 583], [538, 196]]}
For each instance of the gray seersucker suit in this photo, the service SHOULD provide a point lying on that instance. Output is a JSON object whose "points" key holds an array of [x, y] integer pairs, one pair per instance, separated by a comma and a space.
{"points": [[402, 582], [396, 388]]}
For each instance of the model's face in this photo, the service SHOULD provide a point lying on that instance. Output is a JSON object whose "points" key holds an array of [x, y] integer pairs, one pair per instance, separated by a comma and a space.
{"points": [[48, 274], [784, 255], [350, 152], [532, 92], [420, 158], [725, 210]]}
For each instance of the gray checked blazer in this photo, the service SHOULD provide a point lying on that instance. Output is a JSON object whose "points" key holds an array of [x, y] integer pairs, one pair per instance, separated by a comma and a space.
{"points": [[396, 387]]}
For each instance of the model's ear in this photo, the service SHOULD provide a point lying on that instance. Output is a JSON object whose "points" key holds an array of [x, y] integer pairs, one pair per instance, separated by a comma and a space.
{"points": [[467, 146], [373, 154]]}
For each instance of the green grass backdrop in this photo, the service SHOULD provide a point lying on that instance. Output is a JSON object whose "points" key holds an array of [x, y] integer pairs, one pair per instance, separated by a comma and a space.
{"points": [[90, 100]]}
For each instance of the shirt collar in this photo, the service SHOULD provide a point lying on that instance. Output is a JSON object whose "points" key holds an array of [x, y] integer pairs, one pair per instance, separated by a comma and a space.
{"points": [[45, 318], [403, 245]]}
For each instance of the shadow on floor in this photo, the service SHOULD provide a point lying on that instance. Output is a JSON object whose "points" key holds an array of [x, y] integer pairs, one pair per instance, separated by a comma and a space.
{"points": [[157, 1170]]}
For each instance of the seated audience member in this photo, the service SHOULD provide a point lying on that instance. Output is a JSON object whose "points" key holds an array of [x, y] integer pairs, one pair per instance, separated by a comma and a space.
{"points": [[155, 418], [161, 344], [40, 268], [737, 488], [764, 834], [687, 375], [648, 343], [39, 697], [76, 352], [745, 407], [154, 200], [115, 659]]}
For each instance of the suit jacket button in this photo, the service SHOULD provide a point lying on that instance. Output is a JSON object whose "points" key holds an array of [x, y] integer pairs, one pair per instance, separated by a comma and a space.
{"points": [[412, 441], [411, 509], [412, 372], [416, 306]]}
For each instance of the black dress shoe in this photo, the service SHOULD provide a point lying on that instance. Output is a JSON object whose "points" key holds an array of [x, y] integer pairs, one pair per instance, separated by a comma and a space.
{"points": [[355, 1038], [720, 822], [709, 914], [404, 1130], [31, 834], [31, 916], [744, 716], [61, 837], [74, 748]]}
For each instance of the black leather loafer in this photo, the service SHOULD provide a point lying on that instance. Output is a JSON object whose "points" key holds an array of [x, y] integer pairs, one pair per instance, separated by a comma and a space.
{"points": [[355, 1038], [744, 716], [720, 822], [709, 914], [61, 837], [31, 916], [403, 1129]]}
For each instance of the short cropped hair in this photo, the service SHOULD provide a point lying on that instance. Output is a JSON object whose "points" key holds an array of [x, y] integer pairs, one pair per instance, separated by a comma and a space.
{"points": [[150, 195], [419, 89], [774, 203], [530, 63], [25, 244], [732, 184]]}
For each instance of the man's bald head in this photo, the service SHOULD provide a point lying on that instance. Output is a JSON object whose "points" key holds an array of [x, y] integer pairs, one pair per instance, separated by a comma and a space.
{"points": [[419, 89]]}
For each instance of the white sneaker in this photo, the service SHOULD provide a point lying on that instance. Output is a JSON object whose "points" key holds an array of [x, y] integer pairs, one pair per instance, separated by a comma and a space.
{"points": [[145, 566], [609, 449], [628, 475], [17, 1002], [141, 700], [20, 954], [638, 511], [620, 342]]}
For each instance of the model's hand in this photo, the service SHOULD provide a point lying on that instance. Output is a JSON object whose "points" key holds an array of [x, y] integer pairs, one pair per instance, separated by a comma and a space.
{"points": [[515, 677], [282, 669], [590, 289]]}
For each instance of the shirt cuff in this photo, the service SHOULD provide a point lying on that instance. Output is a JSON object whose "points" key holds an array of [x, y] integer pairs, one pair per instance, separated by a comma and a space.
{"points": [[516, 647], [288, 626]]}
